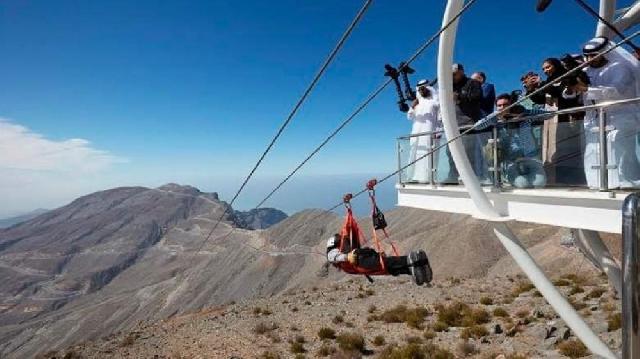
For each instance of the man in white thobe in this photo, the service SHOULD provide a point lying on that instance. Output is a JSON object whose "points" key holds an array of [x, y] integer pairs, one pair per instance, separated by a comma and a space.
{"points": [[614, 76], [425, 114]]}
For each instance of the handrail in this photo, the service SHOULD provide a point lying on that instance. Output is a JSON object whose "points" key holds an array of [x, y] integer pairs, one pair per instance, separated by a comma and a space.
{"points": [[537, 116]]}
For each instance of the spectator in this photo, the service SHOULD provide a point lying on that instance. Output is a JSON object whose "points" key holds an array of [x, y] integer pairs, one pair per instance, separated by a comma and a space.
{"points": [[561, 135], [467, 94], [614, 76], [425, 114], [516, 146], [530, 82], [486, 105], [488, 93]]}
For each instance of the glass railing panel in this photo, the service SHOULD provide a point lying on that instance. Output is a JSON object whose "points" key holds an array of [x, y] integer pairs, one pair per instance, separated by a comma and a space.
{"points": [[620, 158], [416, 159]]}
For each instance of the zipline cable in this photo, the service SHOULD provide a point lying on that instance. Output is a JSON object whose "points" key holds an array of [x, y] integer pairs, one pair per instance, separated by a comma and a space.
{"points": [[364, 104], [297, 106]]}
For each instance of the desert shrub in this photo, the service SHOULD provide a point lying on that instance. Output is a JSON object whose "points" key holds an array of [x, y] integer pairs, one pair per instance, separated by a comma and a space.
{"points": [[351, 342], [576, 304], [306, 302], [466, 348], [429, 334], [297, 348], [129, 339], [576, 289], [299, 339], [266, 311], [338, 319], [370, 292], [372, 309], [413, 340], [596, 293], [412, 317], [325, 350], [609, 307], [572, 349], [415, 351], [269, 355], [326, 333], [475, 331], [379, 340], [561, 282], [537, 294], [452, 314], [486, 301], [476, 316], [299, 356], [614, 321], [294, 309], [257, 311], [439, 326], [522, 287], [522, 313], [273, 337], [575, 278], [500, 312], [262, 327]]}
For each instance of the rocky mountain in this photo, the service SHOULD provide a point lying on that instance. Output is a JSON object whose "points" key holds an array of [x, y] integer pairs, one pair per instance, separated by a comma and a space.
{"points": [[114, 259], [259, 218], [8, 222]]}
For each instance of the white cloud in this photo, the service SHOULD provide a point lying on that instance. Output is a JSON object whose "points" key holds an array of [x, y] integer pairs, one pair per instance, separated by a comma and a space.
{"points": [[23, 149], [37, 172]]}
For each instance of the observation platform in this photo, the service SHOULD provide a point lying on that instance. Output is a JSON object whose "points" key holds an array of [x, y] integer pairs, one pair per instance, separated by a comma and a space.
{"points": [[566, 207]]}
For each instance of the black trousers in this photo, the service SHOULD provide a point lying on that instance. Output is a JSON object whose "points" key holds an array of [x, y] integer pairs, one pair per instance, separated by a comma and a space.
{"points": [[370, 259]]}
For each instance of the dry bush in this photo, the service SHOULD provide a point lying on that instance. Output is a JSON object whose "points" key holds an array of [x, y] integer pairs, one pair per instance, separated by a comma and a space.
{"points": [[412, 317], [522, 313], [269, 355], [429, 334], [576, 304], [500, 312], [595, 293], [129, 339], [413, 340], [561, 282], [486, 301], [522, 287], [262, 327], [338, 319], [415, 351], [372, 308], [351, 342], [466, 348], [475, 331], [439, 326], [300, 339], [614, 321], [297, 348], [325, 350], [576, 289], [257, 311], [572, 349], [379, 341], [326, 333]]}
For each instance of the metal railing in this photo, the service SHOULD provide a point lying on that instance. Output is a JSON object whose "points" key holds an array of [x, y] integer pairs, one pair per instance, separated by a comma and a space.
{"points": [[496, 164]]}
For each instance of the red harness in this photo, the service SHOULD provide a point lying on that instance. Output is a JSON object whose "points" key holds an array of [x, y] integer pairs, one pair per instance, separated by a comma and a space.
{"points": [[352, 233]]}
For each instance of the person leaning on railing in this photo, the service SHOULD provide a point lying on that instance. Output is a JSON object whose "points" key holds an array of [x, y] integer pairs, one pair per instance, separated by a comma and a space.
{"points": [[516, 146]]}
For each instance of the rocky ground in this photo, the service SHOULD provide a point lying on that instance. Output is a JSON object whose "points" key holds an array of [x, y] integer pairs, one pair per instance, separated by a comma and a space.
{"points": [[497, 317]]}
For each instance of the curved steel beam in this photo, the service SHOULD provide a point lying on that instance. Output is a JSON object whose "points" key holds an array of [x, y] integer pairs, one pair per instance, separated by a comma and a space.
{"points": [[484, 206]]}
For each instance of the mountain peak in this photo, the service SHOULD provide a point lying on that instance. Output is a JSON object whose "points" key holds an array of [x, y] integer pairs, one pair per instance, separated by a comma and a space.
{"points": [[184, 189]]}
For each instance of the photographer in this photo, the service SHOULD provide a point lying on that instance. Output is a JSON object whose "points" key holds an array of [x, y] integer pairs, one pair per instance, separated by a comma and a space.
{"points": [[467, 94]]}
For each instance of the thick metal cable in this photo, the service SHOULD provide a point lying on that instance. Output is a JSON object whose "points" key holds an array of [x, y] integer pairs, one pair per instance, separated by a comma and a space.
{"points": [[297, 106], [364, 104]]}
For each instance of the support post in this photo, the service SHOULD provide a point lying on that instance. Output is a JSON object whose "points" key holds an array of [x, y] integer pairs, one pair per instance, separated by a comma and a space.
{"points": [[602, 140], [630, 284], [432, 180], [595, 250]]}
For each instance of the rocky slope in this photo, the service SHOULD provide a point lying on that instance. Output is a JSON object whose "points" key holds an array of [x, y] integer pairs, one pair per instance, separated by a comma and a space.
{"points": [[114, 259], [260, 218], [501, 317], [8, 222]]}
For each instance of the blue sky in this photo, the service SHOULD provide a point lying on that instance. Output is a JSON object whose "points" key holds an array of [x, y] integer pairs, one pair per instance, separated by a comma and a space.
{"points": [[191, 91]]}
